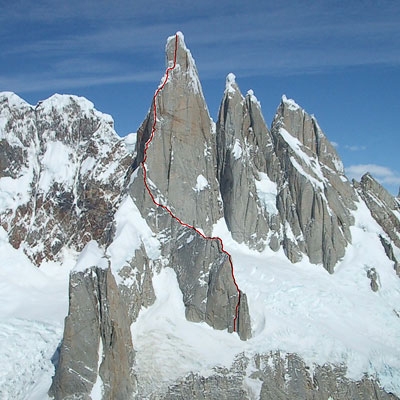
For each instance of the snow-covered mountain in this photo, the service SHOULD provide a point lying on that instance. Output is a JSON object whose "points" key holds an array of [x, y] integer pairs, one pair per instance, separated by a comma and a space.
{"points": [[194, 259]]}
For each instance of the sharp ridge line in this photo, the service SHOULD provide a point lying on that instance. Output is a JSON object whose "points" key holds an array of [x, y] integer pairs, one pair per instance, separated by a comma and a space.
{"points": [[147, 144]]}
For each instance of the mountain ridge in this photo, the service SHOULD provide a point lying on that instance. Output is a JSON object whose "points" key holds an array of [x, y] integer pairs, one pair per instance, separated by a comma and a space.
{"points": [[277, 197]]}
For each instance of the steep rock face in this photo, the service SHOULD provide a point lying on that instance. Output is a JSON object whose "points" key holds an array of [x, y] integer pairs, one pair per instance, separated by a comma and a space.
{"points": [[276, 376], [62, 173], [97, 347], [283, 188], [383, 206], [385, 209], [245, 155], [315, 198], [181, 174], [181, 158]]}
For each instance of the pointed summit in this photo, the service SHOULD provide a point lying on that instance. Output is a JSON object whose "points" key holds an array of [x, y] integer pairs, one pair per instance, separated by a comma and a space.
{"points": [[383, 206], [243, 148], [231, 87], [316, 196], [180, 61], [182, 149], [177, 193]]}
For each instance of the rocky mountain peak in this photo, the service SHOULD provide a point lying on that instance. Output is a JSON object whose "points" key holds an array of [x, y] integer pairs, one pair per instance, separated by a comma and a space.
{"points": [[382, 205], [306, 129], [231, 87], [316, 197], [202, 223], [180, 172], [181, 157], [181, 62], [59, 161]]}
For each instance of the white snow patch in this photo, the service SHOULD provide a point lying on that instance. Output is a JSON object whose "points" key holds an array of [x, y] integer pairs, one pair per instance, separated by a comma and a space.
{"points": [[230, 84], [61, 102], [168, 346], [311, 162], [33, 305], [42, 294], [97, 389], [26, 351], [201, 184], [253, 387], [58, 166], [300, 308], [131, 231], [292, 105], [237, 150], [91, 256], [87, 166], [267, 192], [130, 142], [15, 192]]}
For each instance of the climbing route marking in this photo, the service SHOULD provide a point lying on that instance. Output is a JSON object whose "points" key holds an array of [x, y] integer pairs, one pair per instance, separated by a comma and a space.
{"points": [[147, 144]]}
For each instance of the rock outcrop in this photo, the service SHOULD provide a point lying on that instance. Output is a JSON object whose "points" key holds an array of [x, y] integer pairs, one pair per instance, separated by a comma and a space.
{"points": [[285, 187], [64, 169], [315, 198], [384, 209], [382, 205], [245, 163], [97, 347], [68, 183], [181, 172], [182, 156], [276, 376]]}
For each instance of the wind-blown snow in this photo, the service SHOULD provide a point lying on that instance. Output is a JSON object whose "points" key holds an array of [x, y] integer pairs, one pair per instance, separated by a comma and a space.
{"points": [[14, 192], [300, 308], [229, 84], [296, 308], [314, 165], [63, 101], [292, 105]]}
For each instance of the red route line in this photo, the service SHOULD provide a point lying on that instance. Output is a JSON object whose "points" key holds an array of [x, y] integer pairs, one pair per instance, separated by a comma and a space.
{"points": [[146, 147]]}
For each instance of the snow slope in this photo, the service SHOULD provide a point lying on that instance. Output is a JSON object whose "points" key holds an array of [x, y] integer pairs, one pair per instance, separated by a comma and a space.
{"points": [[33, 304], [296, 308]]}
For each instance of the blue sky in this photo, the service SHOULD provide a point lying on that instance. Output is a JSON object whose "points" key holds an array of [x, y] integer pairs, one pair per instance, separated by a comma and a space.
{"points": [[339, 60]]}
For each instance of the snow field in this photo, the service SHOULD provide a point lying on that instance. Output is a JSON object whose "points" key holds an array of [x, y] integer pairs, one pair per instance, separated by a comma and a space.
{"points": [[295, 308]]}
